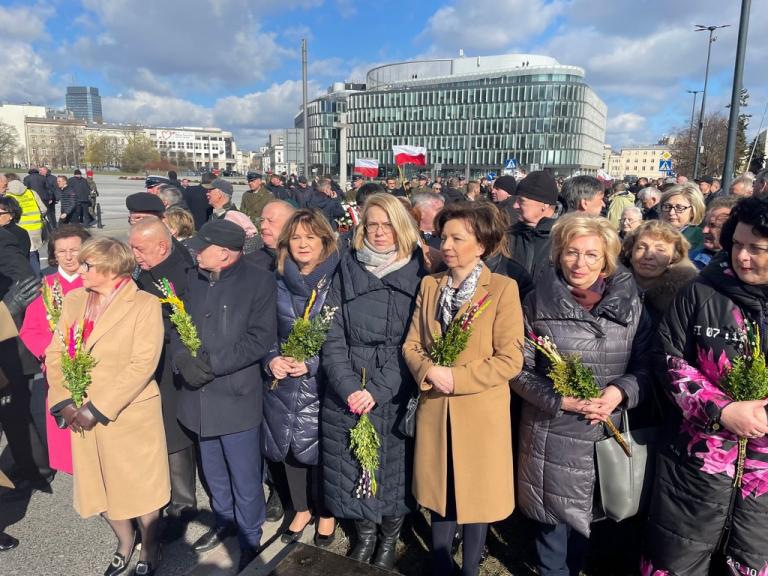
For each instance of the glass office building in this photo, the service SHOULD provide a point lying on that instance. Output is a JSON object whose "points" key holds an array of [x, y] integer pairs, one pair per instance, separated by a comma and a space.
{"points": [[487, 110], [85, 103]]}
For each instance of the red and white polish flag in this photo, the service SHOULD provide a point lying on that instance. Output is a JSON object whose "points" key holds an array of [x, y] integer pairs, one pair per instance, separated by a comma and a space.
{"points": [[368, 167], [410, 155]]}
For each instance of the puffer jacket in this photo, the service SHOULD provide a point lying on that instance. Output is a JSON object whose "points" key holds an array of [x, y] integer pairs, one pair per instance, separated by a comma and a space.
{"points": [[292, 406], [695, 502], [368, 331], [556, 462]]}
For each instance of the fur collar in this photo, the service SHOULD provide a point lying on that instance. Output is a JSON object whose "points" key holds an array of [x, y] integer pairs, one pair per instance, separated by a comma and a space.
{"points": [[660, 292]]}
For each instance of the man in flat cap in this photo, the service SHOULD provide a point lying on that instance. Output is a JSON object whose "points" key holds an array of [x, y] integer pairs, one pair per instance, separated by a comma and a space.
{"points": [[255, 198], [232, 304], [529, 238], [143, 204], [220, 197]]}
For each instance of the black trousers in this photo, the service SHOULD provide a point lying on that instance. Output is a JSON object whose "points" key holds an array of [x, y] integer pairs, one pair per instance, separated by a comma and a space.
{"points": [[183, 469], [444, 529], [305, 485], [25, 441]]}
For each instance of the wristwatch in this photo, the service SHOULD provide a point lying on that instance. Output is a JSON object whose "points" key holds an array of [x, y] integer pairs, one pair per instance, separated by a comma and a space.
{"points": [[713, 412]]}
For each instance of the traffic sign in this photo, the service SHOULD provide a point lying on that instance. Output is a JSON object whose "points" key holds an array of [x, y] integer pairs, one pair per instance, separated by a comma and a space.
{"points": [[666, 155], [491, 175], [510, 164], [665, 165]]}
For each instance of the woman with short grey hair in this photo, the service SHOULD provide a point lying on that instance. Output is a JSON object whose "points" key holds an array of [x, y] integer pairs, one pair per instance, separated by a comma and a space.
{"points": [[631, 218]]}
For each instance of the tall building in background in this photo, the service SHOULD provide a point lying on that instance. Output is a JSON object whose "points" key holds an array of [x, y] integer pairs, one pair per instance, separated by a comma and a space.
{"points": [[85, 103], [524, 108]]}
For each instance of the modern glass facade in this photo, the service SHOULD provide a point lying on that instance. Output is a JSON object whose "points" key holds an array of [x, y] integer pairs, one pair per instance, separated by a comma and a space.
{"points": [[85, 103], [523, 107]]}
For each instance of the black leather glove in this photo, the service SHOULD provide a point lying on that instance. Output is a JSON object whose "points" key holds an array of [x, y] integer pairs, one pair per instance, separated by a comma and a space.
{"points": [[65, 418], [84, 418], [195, 370], [21, 295]]}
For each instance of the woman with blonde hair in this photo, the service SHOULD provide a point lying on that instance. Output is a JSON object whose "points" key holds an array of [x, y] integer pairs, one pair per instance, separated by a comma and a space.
{"points": [[657, 254], [586, 304], [307, 257], [683, 207], [118, 446], [374, 293]]}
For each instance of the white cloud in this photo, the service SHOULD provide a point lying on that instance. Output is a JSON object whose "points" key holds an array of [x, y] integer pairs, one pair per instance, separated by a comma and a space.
{"points": [[270, 109], [155, 110], [24, 23], [26, 75], [484, 25]]}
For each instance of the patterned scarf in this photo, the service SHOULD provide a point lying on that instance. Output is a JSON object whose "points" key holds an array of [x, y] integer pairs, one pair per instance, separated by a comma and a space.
{"points": [[379, 263], [452, 299]]}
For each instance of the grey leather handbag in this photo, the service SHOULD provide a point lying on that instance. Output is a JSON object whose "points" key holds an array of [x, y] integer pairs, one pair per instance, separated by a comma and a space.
{"points": [[626, 482]]}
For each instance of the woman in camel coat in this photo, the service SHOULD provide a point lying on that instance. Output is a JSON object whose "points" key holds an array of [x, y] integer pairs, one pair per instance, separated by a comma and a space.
{"points": [[463, 460], [118, 442]]}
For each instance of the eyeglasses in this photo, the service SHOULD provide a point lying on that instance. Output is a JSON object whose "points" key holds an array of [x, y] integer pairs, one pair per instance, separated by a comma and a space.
{"points": [[86, 265], [590, 257], [385, 227], [678, 208]]}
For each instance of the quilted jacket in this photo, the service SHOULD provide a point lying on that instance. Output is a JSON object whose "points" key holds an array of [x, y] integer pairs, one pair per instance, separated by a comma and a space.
{"points": [[292, 406], [556, 463], [368, 332]]}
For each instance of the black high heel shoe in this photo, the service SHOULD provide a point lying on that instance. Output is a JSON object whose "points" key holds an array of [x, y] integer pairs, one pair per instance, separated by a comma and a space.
{"points": [[290, 536], [119, 562]]}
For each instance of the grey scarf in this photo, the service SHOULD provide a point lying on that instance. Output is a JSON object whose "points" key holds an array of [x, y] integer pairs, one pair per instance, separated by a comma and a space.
{"points": [[452, 299], [379, 263]]}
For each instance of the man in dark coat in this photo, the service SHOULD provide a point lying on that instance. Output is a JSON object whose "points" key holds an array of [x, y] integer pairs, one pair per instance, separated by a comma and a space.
{"points": [[51, 188], [323, 198], [503, 193], [159, 259], [82, 197], [219, 194], [278, 190], [67, 197], [233, 306], [196, 199], [12, 309], [529, 239]]}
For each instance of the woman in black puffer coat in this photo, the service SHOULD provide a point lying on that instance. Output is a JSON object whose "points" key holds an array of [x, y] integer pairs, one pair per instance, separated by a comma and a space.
{"points": [[375, 292], [307, 258], [698, 507]]}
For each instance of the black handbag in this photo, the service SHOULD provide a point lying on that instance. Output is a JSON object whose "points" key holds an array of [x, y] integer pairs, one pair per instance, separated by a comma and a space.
{"points": [[407, 425]]}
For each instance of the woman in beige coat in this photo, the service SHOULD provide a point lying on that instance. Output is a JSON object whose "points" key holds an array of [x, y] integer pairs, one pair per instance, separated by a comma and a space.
{"points": [[118, 442], [463, 460]]}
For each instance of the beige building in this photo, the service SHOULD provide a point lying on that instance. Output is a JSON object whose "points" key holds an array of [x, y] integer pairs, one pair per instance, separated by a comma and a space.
{"points": [[54, 142], [636, 161]]}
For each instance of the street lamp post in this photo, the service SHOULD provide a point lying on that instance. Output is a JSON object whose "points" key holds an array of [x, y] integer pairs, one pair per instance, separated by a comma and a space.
{"points": [[738, 80], [699, 136], [693, 112]]}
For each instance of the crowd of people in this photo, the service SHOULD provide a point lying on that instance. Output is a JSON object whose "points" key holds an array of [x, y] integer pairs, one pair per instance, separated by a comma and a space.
{"points": [[435, 317]]}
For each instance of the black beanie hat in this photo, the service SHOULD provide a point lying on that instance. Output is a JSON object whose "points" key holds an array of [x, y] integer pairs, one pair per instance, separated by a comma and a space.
{"points": [[539, 186]]}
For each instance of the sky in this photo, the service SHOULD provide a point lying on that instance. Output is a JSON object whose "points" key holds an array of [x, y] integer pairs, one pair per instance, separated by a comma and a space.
{"points": [[236, 64]]}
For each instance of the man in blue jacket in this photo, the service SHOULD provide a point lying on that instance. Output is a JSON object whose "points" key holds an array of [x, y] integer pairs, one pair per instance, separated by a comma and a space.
{"points": [[232, 304]]}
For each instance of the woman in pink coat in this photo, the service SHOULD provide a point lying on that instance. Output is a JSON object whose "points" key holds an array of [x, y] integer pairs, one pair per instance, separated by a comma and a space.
{"points": [[63, 248]]}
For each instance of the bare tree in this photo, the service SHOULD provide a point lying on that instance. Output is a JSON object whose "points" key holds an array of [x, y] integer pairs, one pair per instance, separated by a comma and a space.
{"points": [[9, 141], [683, 148]]}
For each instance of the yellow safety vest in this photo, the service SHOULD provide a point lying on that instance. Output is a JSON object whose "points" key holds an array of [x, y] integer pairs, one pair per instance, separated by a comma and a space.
{"points": [[31, 219]]}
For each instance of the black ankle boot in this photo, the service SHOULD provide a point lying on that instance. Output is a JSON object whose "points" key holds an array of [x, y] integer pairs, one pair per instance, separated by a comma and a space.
{"points": [[366, 541], [389, 531]]}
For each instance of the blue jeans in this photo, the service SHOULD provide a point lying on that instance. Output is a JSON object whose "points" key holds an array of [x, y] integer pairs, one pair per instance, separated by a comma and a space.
{"points": [[561, 550], [233, 468]]}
